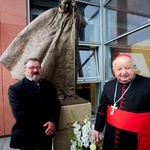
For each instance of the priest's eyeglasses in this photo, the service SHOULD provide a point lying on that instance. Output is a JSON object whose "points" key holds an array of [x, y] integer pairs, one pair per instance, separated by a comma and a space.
{"points": [[33, 68]]}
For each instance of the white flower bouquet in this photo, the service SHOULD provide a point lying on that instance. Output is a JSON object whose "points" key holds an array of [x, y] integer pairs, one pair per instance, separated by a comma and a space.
{"points": [[82, 135]]}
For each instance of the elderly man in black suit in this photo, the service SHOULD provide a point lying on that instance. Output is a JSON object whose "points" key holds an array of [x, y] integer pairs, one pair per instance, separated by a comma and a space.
{"points": [[36, 109]]}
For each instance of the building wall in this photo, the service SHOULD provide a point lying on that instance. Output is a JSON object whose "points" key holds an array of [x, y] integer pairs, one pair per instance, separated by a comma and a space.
{"points": [[12, 21]]}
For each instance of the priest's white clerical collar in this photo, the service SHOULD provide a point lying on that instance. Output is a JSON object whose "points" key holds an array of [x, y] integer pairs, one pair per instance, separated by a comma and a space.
{"points": [[29, 78], [33, 81]]}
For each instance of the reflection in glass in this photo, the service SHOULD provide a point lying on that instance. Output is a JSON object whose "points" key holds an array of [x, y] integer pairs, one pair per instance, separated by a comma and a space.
{"points": [[88, 66], [131, 6], [92, 16], [89, 92], [93, 1], [37, 7], [138, 46], [134, 38], [124, 16]]}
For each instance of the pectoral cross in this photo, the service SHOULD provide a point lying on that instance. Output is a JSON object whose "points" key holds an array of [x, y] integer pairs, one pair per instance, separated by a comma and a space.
{"points": [[113, 108]]}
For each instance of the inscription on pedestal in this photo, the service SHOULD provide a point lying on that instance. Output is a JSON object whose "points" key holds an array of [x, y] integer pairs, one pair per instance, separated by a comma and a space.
{"points": [[63, 136]]}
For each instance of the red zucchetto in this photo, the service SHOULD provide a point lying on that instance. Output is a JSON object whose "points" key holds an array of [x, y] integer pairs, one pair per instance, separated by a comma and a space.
{"points": [[120, 55]]}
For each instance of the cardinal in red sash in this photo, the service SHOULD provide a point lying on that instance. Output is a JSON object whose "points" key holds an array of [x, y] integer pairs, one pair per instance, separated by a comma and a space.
{"points": [[124, 110]]}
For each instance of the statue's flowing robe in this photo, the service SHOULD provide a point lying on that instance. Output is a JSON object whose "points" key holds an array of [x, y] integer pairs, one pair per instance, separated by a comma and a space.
{"points": [[52, 38]]}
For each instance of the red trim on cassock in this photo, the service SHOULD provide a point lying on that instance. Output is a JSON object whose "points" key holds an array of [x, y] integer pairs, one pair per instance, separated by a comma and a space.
{"points": [[100, 113], [134, 122]]}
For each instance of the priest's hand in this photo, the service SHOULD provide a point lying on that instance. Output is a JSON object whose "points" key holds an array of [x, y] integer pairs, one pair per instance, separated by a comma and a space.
{"points": [[96, 136], [50, 128]]}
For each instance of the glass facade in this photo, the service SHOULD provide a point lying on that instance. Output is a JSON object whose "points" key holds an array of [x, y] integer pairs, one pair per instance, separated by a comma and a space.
{"points": [[124, 16], [128, 27], [92, 17], [113, 27]]}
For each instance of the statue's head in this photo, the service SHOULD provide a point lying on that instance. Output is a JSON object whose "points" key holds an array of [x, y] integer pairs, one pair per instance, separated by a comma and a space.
{"points": [[67, 5]]}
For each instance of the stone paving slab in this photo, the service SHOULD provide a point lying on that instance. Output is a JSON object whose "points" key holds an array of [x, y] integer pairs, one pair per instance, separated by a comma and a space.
{"points": [[4, 143]]}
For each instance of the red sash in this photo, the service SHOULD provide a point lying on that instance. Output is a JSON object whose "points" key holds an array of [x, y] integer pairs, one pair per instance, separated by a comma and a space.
{"points": [[134, 122]]}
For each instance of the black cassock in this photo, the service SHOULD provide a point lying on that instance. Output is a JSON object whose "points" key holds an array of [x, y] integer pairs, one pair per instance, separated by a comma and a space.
{"points": [[135, 101], [32, 107]]}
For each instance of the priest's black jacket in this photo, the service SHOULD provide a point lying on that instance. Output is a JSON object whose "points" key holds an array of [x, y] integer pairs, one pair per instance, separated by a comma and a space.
{"points": [[32, 106], [135, 100]]}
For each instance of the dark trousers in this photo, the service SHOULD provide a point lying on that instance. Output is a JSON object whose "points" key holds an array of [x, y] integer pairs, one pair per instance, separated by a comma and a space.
{"points": [[45, 146]]}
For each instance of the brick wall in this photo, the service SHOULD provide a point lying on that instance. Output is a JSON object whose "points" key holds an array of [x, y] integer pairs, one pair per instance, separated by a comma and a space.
{"points": [[12, 21]]}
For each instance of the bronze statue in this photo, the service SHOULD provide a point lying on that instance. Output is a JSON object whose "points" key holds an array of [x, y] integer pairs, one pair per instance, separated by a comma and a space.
{"points": [[53, 38]]}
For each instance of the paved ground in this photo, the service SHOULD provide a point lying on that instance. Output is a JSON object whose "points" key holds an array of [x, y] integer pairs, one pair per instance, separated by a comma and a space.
{"points": [[4, 143]]}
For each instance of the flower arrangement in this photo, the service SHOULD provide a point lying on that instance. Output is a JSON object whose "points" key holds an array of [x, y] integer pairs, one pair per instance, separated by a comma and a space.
{"points": [[82, 135]]}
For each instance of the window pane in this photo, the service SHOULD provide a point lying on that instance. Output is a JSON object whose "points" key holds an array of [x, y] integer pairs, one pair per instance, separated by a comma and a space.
{"points": [[88, 62], [93, 1], [131, 6], [90, 92], [37, 7], [126, 15], [92, 31], [138, 46], [134, 38]]}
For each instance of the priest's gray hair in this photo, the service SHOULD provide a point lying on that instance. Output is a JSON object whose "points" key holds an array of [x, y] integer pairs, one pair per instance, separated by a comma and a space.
{"points": [[131, 61], [31, 59]]}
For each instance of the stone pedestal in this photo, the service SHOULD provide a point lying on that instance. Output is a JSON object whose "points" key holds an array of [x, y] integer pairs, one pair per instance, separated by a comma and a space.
{"points": [[80, 108]]}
